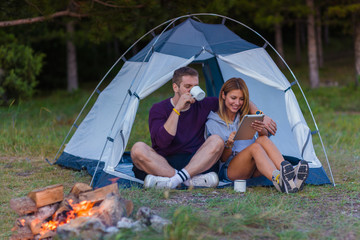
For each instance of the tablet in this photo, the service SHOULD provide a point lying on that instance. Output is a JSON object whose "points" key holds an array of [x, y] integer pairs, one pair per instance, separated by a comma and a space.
{"points": [[245, 131]]}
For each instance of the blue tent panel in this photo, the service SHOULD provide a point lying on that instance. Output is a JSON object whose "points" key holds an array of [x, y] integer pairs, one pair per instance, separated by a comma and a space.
{"points": [[176, 41]]}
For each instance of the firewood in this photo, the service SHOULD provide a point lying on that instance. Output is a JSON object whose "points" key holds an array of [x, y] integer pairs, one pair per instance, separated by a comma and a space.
{"points": [[65, 206], [80, 188], [47, 195], [99, 194], [35, 226], [23, 233], [23, 205], [24, 221]]}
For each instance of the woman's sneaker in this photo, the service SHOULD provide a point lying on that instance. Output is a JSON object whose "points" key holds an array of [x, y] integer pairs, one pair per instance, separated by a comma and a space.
{"points": [[157, 182], [287, 175], [276, 180], [210, 179], [301, 174]]}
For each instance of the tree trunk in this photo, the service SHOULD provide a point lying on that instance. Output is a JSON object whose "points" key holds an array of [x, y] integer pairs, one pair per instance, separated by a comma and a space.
{"points": [[279, 43], [298, 41], [312, 49], [319, 38], [72, 76], [356, 23]]}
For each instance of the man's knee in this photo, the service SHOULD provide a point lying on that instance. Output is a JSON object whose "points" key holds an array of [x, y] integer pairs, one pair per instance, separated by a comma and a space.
{"points": [[216, 142], [138, 150]]}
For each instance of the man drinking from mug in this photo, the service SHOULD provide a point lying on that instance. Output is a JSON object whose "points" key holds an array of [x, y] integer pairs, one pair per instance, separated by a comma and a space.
{"points": [[179, 152]]}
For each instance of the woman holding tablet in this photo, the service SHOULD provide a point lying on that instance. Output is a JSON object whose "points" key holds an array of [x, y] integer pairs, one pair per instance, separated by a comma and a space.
{"points": [[243, 159]]}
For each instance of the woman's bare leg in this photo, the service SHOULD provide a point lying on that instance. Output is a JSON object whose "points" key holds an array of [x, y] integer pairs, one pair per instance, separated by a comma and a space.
{"points": [[271, 150], [252, 158]]}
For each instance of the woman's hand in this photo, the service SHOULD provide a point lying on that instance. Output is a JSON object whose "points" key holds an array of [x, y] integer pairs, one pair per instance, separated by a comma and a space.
{"points": [[230, 142]]}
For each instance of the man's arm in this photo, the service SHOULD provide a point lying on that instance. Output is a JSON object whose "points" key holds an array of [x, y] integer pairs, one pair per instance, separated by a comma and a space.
{"points": [[270, 125], [172, 122]]}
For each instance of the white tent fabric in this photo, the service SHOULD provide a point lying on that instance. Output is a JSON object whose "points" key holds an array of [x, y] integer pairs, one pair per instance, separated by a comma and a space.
{"points": [[105, 120]]}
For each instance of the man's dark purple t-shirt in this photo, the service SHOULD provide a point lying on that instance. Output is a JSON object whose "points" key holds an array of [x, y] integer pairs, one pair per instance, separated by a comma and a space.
{"points": [[190, 131]]}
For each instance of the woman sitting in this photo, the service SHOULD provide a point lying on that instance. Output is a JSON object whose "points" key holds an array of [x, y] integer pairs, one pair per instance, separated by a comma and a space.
{"points": [[244, 159]]}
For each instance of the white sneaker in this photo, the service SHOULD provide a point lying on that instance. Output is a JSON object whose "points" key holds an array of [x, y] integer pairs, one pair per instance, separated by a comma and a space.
{"points": [[157, 182], [210, 179]]}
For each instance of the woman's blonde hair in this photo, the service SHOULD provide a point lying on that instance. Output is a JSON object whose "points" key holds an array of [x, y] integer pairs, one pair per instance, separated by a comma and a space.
{"points": [[229, 85]]}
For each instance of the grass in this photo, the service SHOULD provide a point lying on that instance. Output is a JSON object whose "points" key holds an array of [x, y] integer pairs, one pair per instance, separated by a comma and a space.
{"points": [[31, 131]]}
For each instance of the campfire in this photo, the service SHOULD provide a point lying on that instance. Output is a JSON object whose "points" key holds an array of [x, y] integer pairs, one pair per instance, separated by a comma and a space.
{"points": [[83, 213]]}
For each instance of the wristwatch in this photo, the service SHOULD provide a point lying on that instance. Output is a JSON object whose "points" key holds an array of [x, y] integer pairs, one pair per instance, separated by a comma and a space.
{"points": [[226, 145]]}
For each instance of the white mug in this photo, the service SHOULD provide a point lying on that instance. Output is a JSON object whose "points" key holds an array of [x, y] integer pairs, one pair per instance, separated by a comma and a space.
{"points": [[197, 93], [240, 185]]}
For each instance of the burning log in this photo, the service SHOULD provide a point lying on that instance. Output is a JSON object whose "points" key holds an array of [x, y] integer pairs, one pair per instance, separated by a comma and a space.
{"points": [[64, 207], [47, 195], [82, 214]]}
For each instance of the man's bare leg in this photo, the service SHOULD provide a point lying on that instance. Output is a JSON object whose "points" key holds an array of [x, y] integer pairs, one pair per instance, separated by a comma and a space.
{"points": [[206, 156], [146, 159]]}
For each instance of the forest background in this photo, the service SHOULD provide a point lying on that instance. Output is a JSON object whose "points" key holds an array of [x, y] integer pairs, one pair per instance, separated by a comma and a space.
{"points": [[53, 54]]}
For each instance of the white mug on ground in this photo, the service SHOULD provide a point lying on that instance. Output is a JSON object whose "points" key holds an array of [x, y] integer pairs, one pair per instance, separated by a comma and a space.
{"points": [[197, 93], [240, 185]]}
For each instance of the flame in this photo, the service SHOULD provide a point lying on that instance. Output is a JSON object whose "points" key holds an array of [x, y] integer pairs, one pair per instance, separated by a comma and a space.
{"points": [[22, 222], [82, 209]]}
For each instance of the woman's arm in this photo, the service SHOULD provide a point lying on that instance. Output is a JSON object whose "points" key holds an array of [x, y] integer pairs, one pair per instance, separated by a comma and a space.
{"points": [[228, 147]]}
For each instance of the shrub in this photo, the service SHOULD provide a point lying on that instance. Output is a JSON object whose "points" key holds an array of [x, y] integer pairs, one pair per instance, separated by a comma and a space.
{"points": [[19, 66]]}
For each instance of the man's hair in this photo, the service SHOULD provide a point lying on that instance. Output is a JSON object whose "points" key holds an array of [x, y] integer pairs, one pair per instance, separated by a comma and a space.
{"points": [[184, 71]]}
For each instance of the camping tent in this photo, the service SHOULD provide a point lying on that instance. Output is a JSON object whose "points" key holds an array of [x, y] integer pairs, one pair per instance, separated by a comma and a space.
{"points": [[99, 142]]}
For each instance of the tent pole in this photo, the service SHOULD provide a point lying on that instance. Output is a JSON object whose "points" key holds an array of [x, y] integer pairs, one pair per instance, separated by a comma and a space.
{"points": [[133, 81]]}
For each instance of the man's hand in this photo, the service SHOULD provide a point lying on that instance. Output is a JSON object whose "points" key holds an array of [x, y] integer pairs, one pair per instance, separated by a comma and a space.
{"points": [[184, 101], [270, 125], [258, 125]]}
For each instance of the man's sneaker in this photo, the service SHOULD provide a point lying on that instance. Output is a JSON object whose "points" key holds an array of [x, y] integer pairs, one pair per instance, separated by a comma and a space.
{"points": [[157, 182], [287, 175], [276, 180], [210, 179], [301, 174]]}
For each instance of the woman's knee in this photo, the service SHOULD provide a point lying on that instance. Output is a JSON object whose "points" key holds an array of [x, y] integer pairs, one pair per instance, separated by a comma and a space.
{"points": [[255, 148], [262, 140]]}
